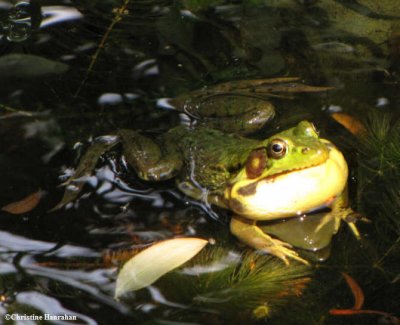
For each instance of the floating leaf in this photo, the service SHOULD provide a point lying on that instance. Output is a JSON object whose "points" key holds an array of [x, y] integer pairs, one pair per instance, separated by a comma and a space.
{"points": [[25, 205], [152, 263]]}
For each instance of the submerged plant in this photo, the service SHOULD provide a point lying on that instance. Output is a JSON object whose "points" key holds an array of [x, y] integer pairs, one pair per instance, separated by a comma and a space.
{"points": [[378, 185], [257, 280], [226, 284], [379, 172]]}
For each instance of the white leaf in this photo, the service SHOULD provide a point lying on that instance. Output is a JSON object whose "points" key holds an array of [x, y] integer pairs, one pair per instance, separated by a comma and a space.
{"points": [[153, 262]]}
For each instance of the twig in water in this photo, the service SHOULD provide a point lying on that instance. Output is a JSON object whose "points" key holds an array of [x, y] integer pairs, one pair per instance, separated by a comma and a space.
{"points": [[119, 13]]}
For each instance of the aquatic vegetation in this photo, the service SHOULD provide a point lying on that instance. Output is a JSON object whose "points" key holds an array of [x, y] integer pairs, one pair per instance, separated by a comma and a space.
{"points": [[378, 182], [119, 13], [222, 282], [379, 173]]}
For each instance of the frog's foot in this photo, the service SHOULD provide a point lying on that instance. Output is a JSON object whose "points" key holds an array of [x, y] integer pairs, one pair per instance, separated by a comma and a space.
{"points": [[276, 248], [345, 214], [351, 217], [253, 236], [86, 166]]}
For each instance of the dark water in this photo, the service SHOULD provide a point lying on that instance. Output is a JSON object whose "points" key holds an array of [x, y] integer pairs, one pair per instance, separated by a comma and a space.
{"points": [[73, 70]]}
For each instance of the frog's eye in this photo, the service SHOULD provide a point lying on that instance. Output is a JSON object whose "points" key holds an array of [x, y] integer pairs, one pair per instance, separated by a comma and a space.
{"points": [[277, 148], [314, 128], [256, 163]]}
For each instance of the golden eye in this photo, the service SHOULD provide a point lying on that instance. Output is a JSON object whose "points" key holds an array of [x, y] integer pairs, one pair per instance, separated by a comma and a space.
{"points": [[256, 163], [277, 148]]}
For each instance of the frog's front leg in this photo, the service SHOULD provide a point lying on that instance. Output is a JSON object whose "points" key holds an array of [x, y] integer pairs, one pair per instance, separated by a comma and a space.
{"points": [[151, 161], [250, 234]]}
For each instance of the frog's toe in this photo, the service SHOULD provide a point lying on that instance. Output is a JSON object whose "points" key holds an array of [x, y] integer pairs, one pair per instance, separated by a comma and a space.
{"points": [[298, 258], [351, 217], [282, 243], [284, 253]]}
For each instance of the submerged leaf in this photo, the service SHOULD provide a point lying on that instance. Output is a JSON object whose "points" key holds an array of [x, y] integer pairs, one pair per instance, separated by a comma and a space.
{"points": [[25, 205], [152, 263], [356, 290], [350, 123], [358, 303], [27, 66]]}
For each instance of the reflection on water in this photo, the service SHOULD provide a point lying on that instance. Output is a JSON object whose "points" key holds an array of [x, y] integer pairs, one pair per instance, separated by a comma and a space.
{"points": [[53, 15], [73, 71], [19, 23], [24, 17]]}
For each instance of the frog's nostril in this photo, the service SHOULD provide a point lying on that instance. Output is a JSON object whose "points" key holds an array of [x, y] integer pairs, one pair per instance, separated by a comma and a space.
{"points": [[305, 150]]}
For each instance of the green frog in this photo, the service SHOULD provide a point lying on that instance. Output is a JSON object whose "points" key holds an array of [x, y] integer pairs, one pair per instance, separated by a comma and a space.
{"points": [[263, 182]]}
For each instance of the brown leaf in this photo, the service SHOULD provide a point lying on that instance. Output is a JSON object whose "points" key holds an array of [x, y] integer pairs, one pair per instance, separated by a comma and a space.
{"points": [[25, 205], [249, 84], [291, 88], [345, 312], [350, 123], [356, 290], [358, 302]]}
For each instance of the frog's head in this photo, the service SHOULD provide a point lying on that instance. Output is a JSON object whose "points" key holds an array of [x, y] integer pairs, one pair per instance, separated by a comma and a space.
{"points": [[286, 162], [294, 149]]}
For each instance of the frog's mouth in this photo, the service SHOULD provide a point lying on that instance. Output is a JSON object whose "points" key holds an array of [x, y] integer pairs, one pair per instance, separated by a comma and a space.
{"points": [[272, 178], [291, 192], [250, 189], [317, 160]]}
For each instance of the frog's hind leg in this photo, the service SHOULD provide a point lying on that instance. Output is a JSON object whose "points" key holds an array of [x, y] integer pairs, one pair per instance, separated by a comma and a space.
{"points": [[253, 236], [151, 161], [85, 168]]}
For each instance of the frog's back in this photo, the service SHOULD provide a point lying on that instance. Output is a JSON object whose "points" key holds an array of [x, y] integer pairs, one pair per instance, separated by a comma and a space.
{"points": [[212, 145], [210, 156]]}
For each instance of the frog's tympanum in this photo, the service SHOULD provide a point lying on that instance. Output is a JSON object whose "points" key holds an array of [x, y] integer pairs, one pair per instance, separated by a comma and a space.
{"points": [[275, 186]]}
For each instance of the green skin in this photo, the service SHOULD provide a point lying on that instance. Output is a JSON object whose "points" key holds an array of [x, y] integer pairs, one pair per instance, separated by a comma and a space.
{"points": [[228, 170]]}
